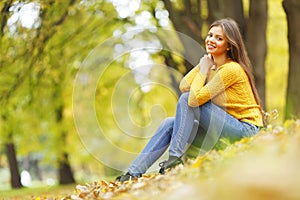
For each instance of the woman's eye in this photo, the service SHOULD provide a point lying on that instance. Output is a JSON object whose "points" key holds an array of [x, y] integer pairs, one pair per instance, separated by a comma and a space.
{"points": [[210, 35]]}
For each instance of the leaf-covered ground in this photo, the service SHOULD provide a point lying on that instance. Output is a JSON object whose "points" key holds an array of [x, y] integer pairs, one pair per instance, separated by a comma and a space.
{"points": [[266, 166]]}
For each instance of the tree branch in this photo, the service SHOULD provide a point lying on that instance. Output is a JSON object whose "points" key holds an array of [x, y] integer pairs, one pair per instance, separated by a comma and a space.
{"points": [[3, 16], [192, 26]]}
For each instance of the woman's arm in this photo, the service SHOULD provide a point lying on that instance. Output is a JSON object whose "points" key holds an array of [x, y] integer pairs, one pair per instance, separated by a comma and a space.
{"points": [[201, 93], [187, 80], [202, 68]]}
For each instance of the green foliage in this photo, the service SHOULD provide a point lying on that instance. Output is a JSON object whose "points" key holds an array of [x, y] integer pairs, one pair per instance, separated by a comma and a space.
{"points": [[44, 192], [38, 66]]}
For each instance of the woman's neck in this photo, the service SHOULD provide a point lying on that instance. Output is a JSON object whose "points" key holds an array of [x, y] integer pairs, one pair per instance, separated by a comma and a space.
{"points": [[220, 60]]}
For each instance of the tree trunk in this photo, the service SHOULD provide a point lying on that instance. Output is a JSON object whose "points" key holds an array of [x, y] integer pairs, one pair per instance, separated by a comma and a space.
{"points": [[292, 8], [215, 10], [235, 10], [65, 173], [4, 16], [15, 179], [256, 42], [187, 22]]}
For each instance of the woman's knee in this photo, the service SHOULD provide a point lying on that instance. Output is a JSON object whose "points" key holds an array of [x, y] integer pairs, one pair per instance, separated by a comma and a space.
{"points": [[184, 97], [169, 121], [167, 126]]}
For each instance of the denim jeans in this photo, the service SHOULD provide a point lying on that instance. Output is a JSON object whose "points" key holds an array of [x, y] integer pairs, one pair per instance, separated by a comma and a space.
{"points": [[180, 131]]}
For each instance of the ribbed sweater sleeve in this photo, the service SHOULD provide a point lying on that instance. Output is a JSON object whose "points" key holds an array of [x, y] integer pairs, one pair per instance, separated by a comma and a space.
{"points": [[200, 93], [187, 80]]}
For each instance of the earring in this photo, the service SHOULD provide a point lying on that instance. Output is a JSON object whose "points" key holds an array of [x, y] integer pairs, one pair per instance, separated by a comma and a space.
{"points": [[228, 49]]}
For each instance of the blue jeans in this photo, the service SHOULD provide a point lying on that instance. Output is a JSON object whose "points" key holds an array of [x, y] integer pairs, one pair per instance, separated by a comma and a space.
{"points": [[179, 131]]}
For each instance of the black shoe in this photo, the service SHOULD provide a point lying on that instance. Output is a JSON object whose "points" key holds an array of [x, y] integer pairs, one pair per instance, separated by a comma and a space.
{"points": [[168, 164], [126, 177]]}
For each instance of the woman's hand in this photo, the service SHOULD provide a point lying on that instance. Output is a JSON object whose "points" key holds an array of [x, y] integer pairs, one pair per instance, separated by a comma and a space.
{"points": [[206, 62]]}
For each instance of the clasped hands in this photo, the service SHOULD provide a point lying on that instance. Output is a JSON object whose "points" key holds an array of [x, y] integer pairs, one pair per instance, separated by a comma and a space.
{"points": [[206, 62]]}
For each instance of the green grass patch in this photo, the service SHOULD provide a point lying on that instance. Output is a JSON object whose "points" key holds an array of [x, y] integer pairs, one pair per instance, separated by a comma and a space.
{"points": [[47, 192]]}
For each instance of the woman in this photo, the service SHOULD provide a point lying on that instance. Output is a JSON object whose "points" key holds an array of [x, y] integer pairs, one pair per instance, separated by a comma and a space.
{"points": [[218, 94]]}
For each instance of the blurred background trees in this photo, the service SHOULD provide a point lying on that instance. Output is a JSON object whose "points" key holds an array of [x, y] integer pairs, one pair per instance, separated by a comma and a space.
{"points": [[292, 8], [43, 44]]}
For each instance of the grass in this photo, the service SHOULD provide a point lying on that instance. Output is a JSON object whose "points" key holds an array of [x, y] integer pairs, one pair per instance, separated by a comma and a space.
{"points": [[53, 192]]}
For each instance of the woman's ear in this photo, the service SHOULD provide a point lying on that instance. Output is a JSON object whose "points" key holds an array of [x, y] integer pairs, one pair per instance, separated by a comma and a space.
{"points": [[228, 47]]}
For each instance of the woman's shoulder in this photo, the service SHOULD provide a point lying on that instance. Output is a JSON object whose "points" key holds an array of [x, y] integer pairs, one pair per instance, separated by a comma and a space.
{"points": [[232, 67]]}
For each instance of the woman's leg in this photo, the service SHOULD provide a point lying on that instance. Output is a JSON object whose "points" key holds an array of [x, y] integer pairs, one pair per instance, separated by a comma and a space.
{"points": [[156, 146], [184, 130], [184, 125], [218, 123], [196, 142], [174, 131]]}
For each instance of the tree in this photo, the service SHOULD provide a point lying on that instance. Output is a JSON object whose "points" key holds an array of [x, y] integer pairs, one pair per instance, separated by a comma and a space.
{"points": [[292, 8], [29, 54], [256, 43], [38, 66], [15, 179], [65, 173], [188, 21], [235, 10]]}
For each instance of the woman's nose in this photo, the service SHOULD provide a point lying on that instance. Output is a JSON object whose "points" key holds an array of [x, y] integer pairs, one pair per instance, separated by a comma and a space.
{"points": [[211, 39]]}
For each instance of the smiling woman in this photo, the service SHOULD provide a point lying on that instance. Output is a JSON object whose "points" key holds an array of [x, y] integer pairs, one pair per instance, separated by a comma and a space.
{"points": [[222, 102]]}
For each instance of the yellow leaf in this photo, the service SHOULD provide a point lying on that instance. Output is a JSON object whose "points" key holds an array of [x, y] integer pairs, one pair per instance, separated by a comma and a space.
{"points": [[199, 162]]}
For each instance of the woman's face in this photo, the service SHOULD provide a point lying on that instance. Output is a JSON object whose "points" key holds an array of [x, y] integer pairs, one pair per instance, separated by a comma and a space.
{"points": [[215, 42]]}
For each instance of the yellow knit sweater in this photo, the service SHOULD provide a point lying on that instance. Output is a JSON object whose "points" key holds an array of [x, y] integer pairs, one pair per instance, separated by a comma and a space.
{"points": [[227, 87]]}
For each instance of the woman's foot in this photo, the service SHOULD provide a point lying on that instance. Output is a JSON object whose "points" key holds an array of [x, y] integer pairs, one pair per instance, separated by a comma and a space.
{"points": [[126, 177], [170, 163]]}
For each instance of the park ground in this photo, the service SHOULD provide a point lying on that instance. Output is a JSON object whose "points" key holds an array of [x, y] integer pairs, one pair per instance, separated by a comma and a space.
{"points": [[265, 166]]}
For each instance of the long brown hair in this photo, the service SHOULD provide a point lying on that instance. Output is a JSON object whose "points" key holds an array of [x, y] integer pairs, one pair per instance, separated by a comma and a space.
{"points": [[238, 53]]}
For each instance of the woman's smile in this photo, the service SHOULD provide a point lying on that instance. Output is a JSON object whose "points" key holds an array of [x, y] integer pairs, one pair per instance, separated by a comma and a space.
{"points": [[210, 46]]}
